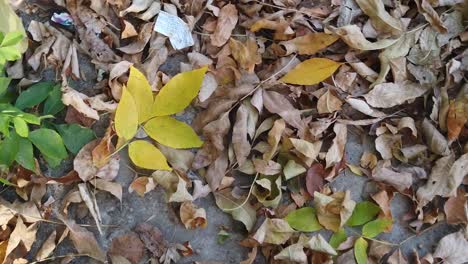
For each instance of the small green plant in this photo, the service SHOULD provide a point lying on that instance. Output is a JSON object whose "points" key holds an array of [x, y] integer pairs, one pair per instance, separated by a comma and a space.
{"points": [[22, 131]]}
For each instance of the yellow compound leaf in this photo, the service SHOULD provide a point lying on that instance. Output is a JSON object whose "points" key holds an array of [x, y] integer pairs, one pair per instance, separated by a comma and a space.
{"points": [[146, 155], [126, 116], [140, 89], [311, 71], [172, 133], [178, 92]]}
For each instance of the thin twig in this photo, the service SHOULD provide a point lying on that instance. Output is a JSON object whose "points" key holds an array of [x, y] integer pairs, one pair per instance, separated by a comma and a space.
{"points": [[246, 199]]}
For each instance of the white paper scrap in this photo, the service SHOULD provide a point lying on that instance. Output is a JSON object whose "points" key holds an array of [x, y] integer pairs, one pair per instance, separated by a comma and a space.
{"points": [[174, 28]]}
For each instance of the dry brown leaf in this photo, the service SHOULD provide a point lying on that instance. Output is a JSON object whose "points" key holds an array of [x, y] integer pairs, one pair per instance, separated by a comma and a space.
{"points": [[328, 103], [400, 180], [226, 23], [192, 216], [216, 171], [21, 234], [436, 142], [387, 95], [309, 44], [446, 175], [107, 186], [276, 103], [383, 200], [456, 208], [142, 185], [51, 243], [79, 234], [306, 148], [152, 238], [368, 160], [129, 30], [90, 202], [336, 151], [456, 118], [387, 144], [364, 108], [315, 178], [274, 137], [431, 16], [274, 231], [143, 37], [267, 167], [352, 35], [84, 165], [128, 246], [333, 211], [380, 18], [246, 54], [452, 248], [240, 142], [250, 257]]}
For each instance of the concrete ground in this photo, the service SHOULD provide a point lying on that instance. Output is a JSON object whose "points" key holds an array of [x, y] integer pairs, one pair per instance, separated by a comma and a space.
{"points": [[153, 209]]}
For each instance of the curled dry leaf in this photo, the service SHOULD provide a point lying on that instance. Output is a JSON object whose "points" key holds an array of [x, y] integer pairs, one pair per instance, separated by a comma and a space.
{"points": [[107, 186], [443, 184], [328, 103], [381, 19], [142, 185], [434, 139], [152, 238], [226, 23], [240, 142], [336, 151], [352, 35], [192, 216], [274, 231], [333, 211]]}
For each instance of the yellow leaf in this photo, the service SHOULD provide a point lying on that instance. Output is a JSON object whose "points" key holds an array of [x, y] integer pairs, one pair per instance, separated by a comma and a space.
{"points": [[172, 133], [3, 248], [309, 44], [126, 116], [311, 71], [145, 155], [140, 89], [178, 92]]}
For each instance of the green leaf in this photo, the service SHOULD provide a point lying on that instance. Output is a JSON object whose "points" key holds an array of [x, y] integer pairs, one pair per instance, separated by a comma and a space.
{"points": [[53, 103], [177, 94], [376, 227], [20, 126], [172, 133], [4, 82], [8, 149], [303, 219], [6, 182], [360, 251], [337, 238], [31, 119], [10, 22], [363, 213], [49, 143], [34, 95], [75, 136], [25, 155], [12, 38], [5, 124], [9, 53]]}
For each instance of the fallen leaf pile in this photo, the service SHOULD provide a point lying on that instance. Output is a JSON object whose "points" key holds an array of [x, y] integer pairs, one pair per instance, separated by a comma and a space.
{"points": [[275, 92]]}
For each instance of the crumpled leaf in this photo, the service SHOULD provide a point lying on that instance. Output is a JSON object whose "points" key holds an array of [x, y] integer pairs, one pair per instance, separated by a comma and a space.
{"points": [[268, 191], [276, 103], [147, 156], [178, 92], [246, 54], [172, 133], [240, 142], [452, 248], [436, 142], [336, 151], [240, 209], [387, 95], [139, 44], [328, 103], [192, 216], [333, 211], [446, 175], [108, 186], [309, 44], [126, 116], [227, 20], [303, 219], [79, 234], [274, 231], [142, 185], [381, 19], [321, 67]]}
